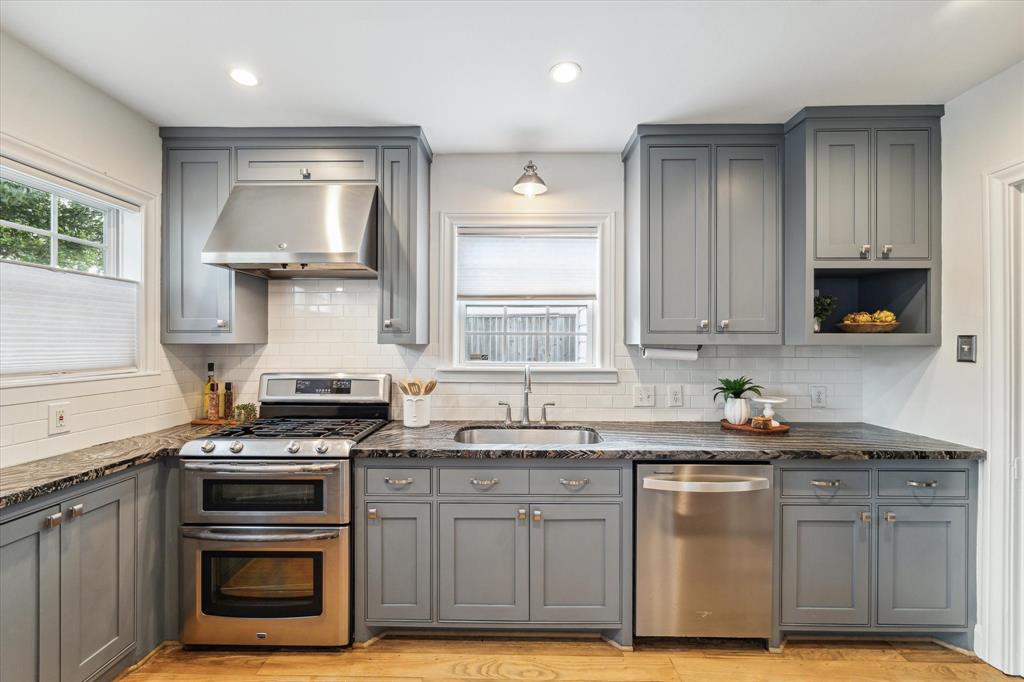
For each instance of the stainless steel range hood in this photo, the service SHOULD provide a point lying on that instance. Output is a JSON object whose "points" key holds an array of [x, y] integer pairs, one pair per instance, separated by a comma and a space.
{"points": [[284, 231]]}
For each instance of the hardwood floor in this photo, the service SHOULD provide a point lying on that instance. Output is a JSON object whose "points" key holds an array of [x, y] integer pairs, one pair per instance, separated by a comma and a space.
{"points": [[422, 659]]}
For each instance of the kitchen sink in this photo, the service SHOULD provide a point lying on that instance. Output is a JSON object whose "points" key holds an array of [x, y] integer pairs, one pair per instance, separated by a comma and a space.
{"points": [[490, 435]]}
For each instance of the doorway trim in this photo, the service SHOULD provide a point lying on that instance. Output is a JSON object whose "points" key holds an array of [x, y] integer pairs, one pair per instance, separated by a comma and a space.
{"points": [[999, 633]]}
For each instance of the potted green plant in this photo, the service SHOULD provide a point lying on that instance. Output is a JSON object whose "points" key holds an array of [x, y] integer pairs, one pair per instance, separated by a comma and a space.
{"points": [[737, 408], [823, 307]]}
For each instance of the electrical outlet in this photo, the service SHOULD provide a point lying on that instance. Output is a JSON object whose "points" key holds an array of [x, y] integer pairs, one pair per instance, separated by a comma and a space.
{"points": [[643, 395], [60, 418], [819, 396], [675, 395]]}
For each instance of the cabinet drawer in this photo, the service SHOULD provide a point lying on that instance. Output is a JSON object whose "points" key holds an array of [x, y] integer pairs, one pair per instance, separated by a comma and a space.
{"points": [[293, 164], [574, 482], [485, 481], [922, 483], [411, 481], [826, 483]]}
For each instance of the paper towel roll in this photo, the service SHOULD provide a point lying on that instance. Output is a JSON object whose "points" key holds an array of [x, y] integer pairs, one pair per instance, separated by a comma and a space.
{"points": [[649, 353]]}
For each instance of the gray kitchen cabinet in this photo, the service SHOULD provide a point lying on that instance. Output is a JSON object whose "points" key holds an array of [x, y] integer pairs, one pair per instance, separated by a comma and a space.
{"points": [[97, 578], [703, 235], [747, 240], [922, 565], [842, 196], [398, 561], [575, 557], [903, 202], [306, 164], [483, 562], [826, 564], [30, 597], [203, 303]]}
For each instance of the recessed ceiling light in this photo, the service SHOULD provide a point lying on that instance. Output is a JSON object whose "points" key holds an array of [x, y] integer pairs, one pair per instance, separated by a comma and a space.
{"points": [[244, 77], [565, 72]]}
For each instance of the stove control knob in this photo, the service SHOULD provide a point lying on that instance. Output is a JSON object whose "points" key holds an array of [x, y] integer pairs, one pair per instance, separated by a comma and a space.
{"points": [[236, 446], [321, 447], [207, 446], [292, 447]]}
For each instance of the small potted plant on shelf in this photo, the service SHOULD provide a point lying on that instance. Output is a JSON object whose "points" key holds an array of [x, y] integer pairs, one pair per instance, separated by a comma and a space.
{"points": [[823, 307], [737, 408]]}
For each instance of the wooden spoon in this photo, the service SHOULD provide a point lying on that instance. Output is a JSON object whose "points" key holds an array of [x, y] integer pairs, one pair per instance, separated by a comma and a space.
{"points": [[403, 388]]}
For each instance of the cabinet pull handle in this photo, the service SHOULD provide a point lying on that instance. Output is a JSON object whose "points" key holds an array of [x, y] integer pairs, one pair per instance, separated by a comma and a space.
{"points": [[537, 515], [371, 514], [221, 324], [388, 323], [865, 250], [574, 482], [923, 484], [724, 325], [399, 481], [890, 517], [521, 515], [484, 482], [826, 484], [53, 520], [75, 512], [865, 517], [886, 249], [704, 324]]}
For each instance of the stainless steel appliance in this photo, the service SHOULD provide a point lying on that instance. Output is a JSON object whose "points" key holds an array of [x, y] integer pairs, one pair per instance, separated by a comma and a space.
{"points": [[265, 544], [704, 550]]}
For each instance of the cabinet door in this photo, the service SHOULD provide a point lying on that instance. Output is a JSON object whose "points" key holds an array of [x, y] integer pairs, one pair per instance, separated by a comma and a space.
{"points": [[922, 565], [483, 562], [280, 164], [398, 561], [197, 296], [30, 597], [678, 250], [575, 562], [826, 565], [747, 239], [396, 249], [901, 194], [841, 193], [97, 579]]}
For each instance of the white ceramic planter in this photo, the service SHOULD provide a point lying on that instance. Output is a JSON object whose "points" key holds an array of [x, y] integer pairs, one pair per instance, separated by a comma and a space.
{"points": [[737, 410]]}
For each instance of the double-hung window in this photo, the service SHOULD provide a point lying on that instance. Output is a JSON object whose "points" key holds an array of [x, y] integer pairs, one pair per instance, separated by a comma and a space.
{"points": [[527, 295], [70, 261]]}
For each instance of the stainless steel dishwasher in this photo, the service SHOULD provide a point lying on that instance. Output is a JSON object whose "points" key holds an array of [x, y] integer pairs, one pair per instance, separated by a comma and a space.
{"points": [[704, 550]]}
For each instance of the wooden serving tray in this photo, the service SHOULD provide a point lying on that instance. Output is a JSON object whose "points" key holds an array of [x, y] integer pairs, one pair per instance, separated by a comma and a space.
{"points": [[747, 428], [214, 422], [868, 327]]}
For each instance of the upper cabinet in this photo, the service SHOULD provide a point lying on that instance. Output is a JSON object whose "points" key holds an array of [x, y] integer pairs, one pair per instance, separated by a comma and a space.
{"points": [[208, 304], [703, 235], [863, 202]]}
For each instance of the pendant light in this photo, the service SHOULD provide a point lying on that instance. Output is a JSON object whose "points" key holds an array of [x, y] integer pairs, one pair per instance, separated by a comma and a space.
{"points": [[529, 183]]}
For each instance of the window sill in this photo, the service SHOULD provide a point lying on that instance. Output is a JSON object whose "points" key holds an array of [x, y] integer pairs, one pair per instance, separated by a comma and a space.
{"points": [[54, 379], [514, 375]]}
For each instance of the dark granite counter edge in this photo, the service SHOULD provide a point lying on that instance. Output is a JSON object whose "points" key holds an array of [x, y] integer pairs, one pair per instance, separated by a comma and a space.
{"points": [[659, 454]]}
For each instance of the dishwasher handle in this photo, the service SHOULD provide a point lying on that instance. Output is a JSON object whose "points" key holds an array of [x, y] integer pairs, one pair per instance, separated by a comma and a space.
{"points": [[737, 485]]}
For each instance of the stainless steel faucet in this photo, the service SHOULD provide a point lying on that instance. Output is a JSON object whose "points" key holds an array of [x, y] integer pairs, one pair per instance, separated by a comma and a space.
{"points": [[527, 389]]}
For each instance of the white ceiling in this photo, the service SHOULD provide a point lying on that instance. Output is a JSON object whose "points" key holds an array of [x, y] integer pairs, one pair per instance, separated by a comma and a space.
{"points": [[474, 74]]}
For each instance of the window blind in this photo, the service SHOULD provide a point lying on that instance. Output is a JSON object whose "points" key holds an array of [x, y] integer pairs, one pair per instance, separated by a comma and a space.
{"points": [[518, 266], [56, 321]]}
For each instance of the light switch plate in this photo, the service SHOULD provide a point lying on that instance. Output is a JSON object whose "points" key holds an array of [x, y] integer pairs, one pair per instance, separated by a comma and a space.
{"points": [[819, 396], [675, 395], [59, 418], [967, 349], [643, 395]]}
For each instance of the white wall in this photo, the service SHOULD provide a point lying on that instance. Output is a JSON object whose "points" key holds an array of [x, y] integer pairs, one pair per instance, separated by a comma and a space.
{"points": [[925, 390], [48, 107], [330, 324]]}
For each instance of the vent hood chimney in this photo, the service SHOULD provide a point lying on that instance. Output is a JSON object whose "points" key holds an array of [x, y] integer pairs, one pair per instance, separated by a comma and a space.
{"points": [[286, 231]]}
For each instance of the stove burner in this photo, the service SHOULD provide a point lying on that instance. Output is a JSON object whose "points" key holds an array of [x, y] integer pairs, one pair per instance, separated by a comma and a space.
{"points": [[299, 428]]}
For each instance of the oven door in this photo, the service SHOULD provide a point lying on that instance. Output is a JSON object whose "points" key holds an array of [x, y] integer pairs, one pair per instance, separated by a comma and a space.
{"points": [[265, 585], [294, 492]]}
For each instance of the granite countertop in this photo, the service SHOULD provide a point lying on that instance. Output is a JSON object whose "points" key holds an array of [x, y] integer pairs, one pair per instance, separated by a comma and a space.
{"points": [[674, 440], [22, 482]]}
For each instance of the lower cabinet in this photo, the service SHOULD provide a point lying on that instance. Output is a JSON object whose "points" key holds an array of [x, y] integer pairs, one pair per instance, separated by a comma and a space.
{"points": [[398, 561], [67, 576]]}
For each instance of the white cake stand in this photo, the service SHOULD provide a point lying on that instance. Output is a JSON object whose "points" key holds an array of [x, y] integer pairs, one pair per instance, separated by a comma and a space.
{"points": [[769, 402]]}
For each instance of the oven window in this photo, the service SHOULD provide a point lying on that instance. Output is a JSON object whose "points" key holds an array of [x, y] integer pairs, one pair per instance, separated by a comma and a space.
{"points": [[262, 584], [263, 495]]}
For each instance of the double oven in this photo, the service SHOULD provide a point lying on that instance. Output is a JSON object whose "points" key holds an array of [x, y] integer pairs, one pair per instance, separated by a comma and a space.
{"points": [[264, 535]]}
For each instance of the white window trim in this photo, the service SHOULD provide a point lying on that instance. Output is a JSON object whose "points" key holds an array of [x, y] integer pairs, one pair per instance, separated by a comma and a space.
{"points": [[603, 371], [21, 155]]}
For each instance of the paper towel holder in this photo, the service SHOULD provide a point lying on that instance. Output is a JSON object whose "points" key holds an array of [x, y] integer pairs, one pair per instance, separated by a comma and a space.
{"points": [[666, 352]]}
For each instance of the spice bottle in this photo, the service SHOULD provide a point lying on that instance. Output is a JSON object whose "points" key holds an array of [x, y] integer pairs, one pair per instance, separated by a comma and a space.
{"points": [[229, 401]]}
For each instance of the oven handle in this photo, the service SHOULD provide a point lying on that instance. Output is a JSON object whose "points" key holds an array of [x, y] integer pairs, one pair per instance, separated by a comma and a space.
{"points": [[200, 534], [261, 468]]}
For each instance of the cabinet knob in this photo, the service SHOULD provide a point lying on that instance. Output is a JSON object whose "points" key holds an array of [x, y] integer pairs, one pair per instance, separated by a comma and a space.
{"points": [[521, 515], [371, 514], [75, 512], [887, 249], [865, 517], [890, 517], [388, 323], [222, 323], [305, 174], [704, 324], [724, 325], [537, 515], [865, 250], [54, 520]]}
